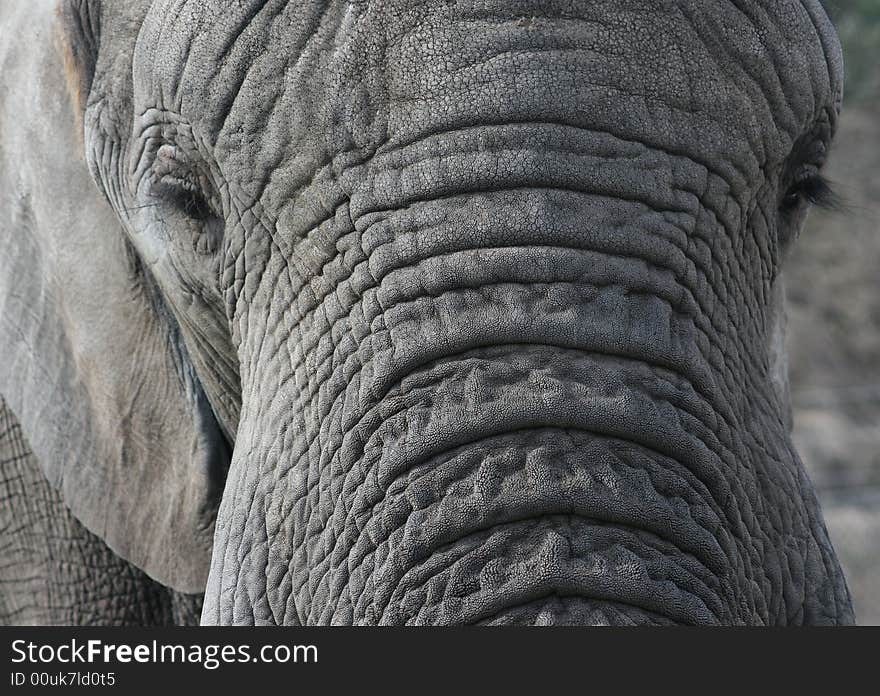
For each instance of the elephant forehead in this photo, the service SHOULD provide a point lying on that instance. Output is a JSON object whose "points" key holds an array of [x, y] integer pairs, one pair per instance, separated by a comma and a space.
{"points": [[285, 87], [645, 69]]}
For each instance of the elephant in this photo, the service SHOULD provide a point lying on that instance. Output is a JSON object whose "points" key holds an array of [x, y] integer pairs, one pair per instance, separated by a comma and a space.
{"points": [[408, 312]]}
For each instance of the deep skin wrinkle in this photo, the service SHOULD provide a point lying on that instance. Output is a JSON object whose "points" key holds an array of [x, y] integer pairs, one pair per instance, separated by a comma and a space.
{"points": [[485, 297]]}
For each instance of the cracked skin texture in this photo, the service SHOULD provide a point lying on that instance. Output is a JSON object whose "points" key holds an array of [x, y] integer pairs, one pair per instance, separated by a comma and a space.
{"points": [[485, 298]]}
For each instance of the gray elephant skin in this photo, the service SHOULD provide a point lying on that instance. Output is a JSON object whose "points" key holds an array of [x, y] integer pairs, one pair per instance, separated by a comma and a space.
{"points": [[408, 313]]}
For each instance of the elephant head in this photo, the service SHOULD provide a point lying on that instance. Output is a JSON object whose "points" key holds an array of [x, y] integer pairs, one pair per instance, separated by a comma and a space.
{"points": [[413, 312]]}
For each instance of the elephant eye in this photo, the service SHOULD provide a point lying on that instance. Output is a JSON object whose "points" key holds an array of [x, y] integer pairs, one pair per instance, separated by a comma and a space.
{"points": [[184, 196], [811, 188]]}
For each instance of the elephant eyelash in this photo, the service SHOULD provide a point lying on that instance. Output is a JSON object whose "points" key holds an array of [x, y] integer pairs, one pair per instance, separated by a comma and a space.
{"points": [[187, 198], [814, 189]]}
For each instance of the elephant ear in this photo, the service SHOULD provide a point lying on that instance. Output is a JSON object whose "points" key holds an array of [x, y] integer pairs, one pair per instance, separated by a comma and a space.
{"points": [[93, 364]]}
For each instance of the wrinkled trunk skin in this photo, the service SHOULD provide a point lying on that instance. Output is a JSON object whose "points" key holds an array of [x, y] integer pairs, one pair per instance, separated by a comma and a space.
{"points": [[513, 374], [513, 433]]}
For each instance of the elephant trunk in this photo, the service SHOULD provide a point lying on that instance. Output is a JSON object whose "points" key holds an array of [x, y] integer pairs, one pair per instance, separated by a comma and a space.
{"points": [[497, 403], [533, 483], [507, 379], [536, 436]]}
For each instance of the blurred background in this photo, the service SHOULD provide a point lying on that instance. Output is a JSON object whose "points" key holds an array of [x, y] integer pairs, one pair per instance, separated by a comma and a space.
{"points": [[833, 283]]}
